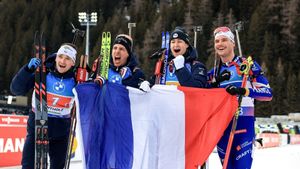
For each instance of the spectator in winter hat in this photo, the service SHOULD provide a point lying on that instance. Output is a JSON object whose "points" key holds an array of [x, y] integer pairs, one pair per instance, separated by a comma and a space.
{"points": [[182, 67], [59, 84], [123, 68]]}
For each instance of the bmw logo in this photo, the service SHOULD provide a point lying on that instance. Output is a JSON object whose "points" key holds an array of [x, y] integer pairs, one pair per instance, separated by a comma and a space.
{"points": [[59, 87]]}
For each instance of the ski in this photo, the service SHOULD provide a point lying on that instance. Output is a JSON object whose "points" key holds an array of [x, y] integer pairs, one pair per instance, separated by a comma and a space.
{"points": [[41, 115], [105, 54], [165, 59], [162, 79], [162, 55]]}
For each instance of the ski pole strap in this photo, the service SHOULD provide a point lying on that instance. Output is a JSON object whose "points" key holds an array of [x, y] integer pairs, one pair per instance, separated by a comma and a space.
{"points": [[246, 66], [245, 69]]}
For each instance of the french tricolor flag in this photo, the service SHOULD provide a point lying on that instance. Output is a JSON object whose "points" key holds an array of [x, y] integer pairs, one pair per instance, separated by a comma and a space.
{"points": [[168, 127]]}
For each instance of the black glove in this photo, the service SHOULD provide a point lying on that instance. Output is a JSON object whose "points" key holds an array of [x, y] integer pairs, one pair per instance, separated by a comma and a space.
{"points": [[152, 80], [225, 75], [158, 53], [233, 90]]}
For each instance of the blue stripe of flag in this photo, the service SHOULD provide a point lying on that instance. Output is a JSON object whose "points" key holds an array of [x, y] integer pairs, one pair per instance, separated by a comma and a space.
{"points": [[106, 125]]}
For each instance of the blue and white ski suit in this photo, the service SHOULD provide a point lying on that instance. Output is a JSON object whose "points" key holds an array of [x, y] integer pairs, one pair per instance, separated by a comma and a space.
{"points": [[259, 89]]}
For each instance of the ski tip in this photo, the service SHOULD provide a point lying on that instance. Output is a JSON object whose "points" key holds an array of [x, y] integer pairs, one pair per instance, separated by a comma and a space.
{"points": [[103, 34]]}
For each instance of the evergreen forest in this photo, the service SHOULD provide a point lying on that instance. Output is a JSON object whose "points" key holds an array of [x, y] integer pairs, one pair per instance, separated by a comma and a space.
{"points": [[270, 34]]}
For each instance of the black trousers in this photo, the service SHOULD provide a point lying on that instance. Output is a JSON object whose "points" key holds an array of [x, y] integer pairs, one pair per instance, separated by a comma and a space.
{"points": [[57, 148]]}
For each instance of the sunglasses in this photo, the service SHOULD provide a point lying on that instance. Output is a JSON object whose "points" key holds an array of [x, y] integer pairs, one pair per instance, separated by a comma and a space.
{"points": [[221, 29]]}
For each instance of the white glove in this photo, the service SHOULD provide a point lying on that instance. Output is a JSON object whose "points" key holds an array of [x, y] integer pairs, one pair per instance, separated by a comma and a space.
{"points": [[178, 62], [145, 86]]}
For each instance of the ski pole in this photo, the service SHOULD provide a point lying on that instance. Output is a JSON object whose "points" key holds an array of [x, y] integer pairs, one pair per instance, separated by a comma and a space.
{"points": [[238, 27], [216, 67], [77, 33], [196, 29], [245, 70], [130, 26], [159, 55]]}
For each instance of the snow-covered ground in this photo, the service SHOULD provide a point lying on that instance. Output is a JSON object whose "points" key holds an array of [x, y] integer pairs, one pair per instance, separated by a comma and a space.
{"points": [[287, 157]]}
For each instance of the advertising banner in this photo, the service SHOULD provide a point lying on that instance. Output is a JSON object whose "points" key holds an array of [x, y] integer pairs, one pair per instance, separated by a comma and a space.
{"points": [[12, 138]]}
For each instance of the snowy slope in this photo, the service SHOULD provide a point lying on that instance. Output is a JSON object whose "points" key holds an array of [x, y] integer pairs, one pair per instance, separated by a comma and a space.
{"points": [[287, 157]]}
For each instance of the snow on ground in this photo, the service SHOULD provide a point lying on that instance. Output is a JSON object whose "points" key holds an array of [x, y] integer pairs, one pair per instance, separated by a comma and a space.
{"points": [[287, 157]]}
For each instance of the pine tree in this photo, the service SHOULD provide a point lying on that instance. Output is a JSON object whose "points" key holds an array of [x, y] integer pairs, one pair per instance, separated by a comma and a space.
{"points": [[278, 87], [291, 90], [202, 13], [289, 14], [188, 21], [294, 49]]}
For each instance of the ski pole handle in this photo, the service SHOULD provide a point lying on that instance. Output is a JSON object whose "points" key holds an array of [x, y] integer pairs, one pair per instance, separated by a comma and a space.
{"points": [[82, 74]]}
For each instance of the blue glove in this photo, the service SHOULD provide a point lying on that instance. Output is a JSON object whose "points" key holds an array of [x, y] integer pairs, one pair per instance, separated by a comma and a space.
{"points": [[34, 63]]}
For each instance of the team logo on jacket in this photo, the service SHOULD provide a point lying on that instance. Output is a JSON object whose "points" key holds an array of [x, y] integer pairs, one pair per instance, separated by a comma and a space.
{"points": [[116, 79], [201, 71], [175, 35], [59, 87]]}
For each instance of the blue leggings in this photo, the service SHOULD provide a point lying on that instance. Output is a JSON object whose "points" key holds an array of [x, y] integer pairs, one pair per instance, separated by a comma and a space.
{"points": [[241, 150]]}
